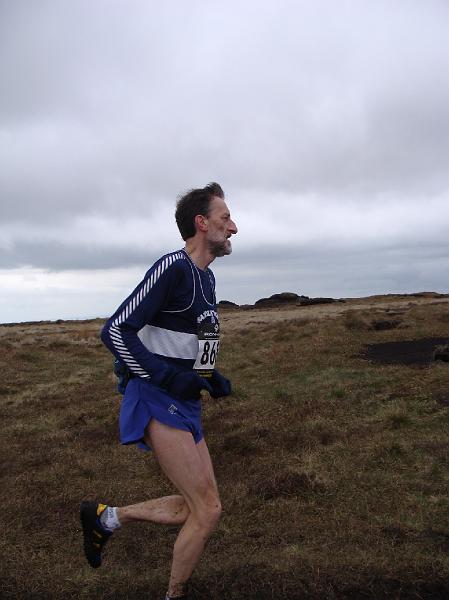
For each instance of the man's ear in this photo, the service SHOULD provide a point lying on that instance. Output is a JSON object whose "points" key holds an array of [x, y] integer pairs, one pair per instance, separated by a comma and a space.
{"points": [[201, 223]]}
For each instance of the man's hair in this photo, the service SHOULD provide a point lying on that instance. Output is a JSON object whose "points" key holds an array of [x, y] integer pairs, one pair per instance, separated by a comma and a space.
{"points": [[193, 203]]}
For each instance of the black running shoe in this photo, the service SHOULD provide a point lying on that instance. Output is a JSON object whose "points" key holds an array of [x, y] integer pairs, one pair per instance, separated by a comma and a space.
{"points": [[95, 535]]}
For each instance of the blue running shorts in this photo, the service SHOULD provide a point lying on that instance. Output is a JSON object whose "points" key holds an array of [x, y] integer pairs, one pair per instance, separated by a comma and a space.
{"points": [[144, 401]]}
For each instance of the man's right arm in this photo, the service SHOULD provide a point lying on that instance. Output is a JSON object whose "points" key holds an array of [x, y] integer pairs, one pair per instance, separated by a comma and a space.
{"points": [[120, 333]]}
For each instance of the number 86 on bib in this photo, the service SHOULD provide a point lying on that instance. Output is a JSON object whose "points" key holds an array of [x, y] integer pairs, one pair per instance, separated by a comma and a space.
{"points": [[208, 346]]}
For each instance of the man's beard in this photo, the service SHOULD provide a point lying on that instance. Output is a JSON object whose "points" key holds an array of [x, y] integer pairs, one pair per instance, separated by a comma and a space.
{"points": [[220, 248]]}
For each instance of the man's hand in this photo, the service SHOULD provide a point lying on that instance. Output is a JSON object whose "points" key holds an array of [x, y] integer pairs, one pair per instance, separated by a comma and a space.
{"points": [[187, 385], [220, 385], [123, 374]]}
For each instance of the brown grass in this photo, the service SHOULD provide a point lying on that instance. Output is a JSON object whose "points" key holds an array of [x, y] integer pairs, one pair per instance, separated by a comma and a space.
{"points": [[333, 470]]}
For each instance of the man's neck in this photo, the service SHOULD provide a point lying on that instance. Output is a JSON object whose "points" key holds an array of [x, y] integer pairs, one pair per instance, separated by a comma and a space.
{"points": [[199, 253]]}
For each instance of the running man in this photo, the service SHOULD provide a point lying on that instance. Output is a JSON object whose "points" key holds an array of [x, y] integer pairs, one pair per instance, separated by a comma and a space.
{"points": [[165, 337]]}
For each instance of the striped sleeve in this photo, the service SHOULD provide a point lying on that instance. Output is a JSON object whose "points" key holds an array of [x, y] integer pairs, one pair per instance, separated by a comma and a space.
{"points": [[120, 333]]}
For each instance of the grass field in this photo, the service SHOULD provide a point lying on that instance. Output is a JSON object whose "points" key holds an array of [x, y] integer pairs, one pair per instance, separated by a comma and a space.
{"points": [[333, 470]]}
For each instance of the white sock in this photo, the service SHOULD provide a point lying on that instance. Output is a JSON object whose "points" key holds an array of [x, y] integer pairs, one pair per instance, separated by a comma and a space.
{"points": [[109, 518]]}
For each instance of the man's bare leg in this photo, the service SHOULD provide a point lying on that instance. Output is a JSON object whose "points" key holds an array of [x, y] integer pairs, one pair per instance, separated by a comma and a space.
{"points": [[170, 510], [189, 467]]}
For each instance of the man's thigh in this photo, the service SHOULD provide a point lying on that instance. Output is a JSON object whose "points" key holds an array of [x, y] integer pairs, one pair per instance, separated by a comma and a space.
{"points": [[186, 464], [203, 451]]}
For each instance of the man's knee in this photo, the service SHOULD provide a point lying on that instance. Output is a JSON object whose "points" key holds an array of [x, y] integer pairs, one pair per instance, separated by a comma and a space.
{"points": [[207, 512], [214, 510]]}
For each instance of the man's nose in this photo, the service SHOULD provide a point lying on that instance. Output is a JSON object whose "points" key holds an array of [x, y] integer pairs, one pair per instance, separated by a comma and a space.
{"points": [[232, 227]]}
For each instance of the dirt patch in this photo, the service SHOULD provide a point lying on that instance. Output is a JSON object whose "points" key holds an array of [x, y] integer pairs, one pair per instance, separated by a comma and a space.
{"points": [[411, 352]]}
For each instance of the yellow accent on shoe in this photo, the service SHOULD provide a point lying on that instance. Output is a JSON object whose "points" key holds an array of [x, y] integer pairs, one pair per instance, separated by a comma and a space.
{"points": [[100, 509], [97, 533]]}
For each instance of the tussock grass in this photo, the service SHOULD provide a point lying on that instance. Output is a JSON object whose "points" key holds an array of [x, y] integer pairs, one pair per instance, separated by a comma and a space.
{"points": [[333, 470]]}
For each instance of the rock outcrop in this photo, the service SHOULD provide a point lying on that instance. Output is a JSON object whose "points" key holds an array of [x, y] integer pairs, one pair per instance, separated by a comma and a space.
{"points": [[309, 301], [227, 304], [279, 300]]}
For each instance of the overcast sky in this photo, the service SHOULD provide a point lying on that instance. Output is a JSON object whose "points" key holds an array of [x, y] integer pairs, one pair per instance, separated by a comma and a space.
{"points": [[326, 123]]}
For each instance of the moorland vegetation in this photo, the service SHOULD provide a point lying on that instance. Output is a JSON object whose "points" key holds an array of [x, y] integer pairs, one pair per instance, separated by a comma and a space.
{"points": [[333, 467]]}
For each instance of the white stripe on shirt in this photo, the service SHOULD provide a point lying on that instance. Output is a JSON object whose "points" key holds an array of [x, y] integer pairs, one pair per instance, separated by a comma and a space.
{"points": [[174, 344]]}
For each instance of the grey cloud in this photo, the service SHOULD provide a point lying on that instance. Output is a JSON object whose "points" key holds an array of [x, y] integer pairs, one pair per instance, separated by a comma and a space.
{"points": [[337, 272], [271, 99], [112, 110], [57, 256]]}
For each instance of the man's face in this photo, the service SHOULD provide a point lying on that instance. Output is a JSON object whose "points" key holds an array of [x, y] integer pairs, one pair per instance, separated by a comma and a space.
{"points": [[220, 228]]}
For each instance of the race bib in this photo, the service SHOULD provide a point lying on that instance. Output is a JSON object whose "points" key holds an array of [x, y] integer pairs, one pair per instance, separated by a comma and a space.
{"points": [[208, 345]]}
